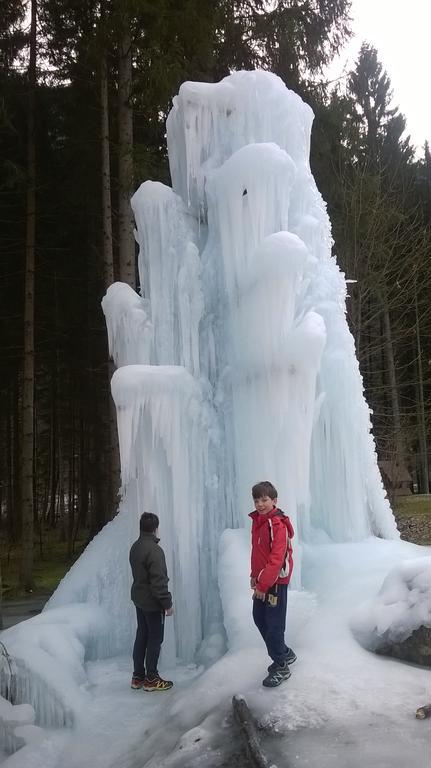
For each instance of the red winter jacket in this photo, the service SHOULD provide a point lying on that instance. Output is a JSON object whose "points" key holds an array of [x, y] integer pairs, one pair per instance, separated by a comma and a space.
{"points": [[271, 549]]}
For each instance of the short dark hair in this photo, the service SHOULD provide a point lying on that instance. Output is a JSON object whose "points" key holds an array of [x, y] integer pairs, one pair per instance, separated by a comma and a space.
{"points": [[265, 488], [148, 522]]}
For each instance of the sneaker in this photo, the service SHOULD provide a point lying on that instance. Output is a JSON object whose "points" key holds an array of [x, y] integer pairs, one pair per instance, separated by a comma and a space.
{"points": [[156, 684], [137, 683], [290, 658], [278, 676]]}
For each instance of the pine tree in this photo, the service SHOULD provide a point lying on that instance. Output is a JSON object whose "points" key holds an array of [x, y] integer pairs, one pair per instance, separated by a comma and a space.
{"points": [[378, 231], [381, 124], [297, 38], [27, 443]]}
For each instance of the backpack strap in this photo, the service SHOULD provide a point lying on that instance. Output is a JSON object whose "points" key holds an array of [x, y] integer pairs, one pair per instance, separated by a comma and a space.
{"points": [[283, 572]]}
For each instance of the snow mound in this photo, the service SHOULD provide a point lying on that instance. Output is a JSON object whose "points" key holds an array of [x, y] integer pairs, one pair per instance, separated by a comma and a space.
{"points": [[402, 605]]}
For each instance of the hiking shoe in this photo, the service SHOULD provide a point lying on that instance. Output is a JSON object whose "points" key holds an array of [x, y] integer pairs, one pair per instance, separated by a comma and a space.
{"points": [[156, 684], [278, 676], [290, 658], [136, 683]]}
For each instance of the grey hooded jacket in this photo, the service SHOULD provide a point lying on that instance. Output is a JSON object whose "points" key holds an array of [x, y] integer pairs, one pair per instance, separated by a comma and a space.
{"points": [[150, 577]]}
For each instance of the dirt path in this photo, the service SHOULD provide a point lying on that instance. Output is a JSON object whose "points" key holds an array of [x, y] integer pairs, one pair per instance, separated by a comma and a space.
{"points": [[413, 516]]}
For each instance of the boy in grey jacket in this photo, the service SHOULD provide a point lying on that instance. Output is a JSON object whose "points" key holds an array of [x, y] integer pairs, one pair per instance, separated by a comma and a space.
{"points": [[153, 602]]}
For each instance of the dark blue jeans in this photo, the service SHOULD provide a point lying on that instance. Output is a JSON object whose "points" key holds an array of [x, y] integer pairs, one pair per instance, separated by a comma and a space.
{"points": [[271, 622], [148, 641]]}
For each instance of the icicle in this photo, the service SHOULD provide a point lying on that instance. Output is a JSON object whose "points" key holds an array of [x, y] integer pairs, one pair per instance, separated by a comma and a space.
{"points": [[130, 332]]}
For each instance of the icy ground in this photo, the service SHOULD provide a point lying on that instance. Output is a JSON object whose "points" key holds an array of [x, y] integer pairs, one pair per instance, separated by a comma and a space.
{"points": [[343, 706]]}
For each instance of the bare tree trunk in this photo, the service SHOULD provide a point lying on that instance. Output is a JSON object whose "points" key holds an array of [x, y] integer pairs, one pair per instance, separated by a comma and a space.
{"points": [[36, 521], [358, 321], [81, 517], [53, 471], [27, 446], [425, 483], [108, 259], [61, 511], [125, 154], [71, 491], [396, 417], [10, 442], [16, 511], [366, 346], [113, 457]]}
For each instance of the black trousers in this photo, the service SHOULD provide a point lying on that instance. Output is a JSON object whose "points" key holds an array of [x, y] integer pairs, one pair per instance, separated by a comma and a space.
{"points": [[271, 622], [148, 641]]}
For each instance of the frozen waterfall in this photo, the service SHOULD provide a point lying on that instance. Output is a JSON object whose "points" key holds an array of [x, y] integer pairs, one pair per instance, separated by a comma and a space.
{"points": [[249, 370], [234, 365]]}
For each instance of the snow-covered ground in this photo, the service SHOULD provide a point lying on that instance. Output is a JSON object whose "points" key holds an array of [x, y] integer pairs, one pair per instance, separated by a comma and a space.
{"points": [[342, 706]]}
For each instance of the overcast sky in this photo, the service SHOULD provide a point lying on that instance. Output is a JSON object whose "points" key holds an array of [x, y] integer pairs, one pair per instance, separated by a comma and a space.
{"points": [[401, 32]]}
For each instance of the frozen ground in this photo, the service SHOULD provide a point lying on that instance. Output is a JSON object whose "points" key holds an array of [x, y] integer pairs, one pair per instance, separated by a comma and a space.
{"points": [[343, 706]]}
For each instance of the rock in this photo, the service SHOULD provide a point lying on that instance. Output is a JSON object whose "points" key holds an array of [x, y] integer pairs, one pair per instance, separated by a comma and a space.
{"points": [[416, 648], [397, 620]]}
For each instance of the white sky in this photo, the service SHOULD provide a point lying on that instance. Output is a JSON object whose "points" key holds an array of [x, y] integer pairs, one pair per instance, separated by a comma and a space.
{"points": [[401, 32]]}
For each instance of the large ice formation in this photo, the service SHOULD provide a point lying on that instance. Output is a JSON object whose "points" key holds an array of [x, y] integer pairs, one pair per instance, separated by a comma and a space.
{"points": [[234, 365], [237, 363]]}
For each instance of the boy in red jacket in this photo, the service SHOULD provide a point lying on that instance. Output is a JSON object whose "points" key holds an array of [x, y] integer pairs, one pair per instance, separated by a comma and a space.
{"points": [[271, 569]]}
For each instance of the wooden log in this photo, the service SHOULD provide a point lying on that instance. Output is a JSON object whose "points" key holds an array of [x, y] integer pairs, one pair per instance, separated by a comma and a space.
{"points": [[249, 735], [423, 712]]}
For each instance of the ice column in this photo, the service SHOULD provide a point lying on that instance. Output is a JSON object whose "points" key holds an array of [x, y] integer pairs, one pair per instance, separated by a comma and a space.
{"points": [[165, 430], [239, 157]]}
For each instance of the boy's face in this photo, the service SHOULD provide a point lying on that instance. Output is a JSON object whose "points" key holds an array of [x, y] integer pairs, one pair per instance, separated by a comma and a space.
{"points": [[264, 504]]}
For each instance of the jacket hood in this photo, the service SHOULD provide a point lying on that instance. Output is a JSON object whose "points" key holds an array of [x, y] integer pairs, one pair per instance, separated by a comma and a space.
{"points": [[275, 512]]}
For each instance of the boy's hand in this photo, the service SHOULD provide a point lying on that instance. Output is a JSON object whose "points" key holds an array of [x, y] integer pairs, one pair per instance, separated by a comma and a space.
{"points": [[169, 611], [252, 583], [258, 595]]}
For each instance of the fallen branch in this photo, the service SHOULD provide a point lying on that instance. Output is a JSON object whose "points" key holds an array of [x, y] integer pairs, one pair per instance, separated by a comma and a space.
{"points": [[249, 735]]}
